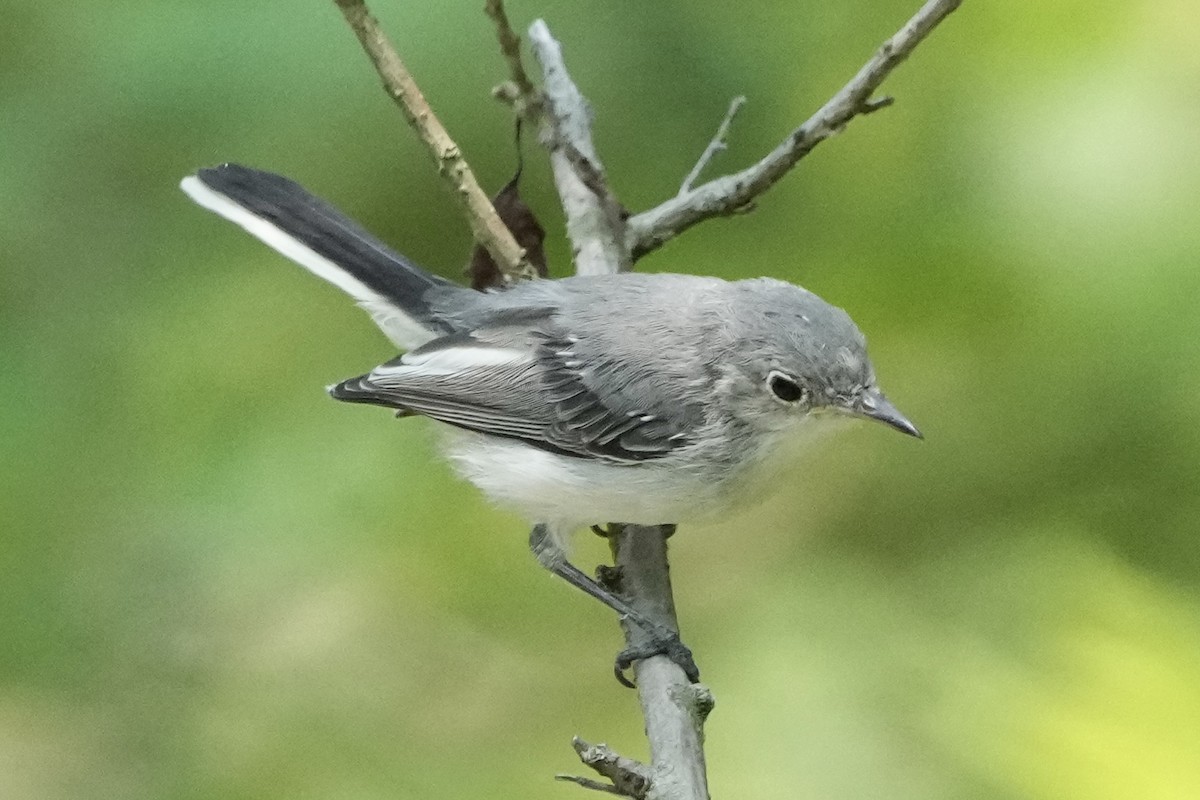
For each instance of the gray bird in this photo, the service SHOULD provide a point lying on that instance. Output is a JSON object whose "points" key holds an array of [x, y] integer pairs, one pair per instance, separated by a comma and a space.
{"points": [[632, 398]]}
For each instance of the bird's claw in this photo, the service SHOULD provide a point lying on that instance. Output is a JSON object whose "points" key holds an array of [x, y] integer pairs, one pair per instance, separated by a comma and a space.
{"points": [[664, 644]]}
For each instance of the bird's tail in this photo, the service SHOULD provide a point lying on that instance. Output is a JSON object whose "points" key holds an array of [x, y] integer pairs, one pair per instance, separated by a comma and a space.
{"points": [[394, 291]]}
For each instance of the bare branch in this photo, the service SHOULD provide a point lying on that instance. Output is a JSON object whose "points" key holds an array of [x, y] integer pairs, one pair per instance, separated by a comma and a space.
{"points": [[486, 225], [588, 783], [510, 48], [715, 146], [651, 229], [628, 778], [873, 105], [673, 708], [595, 220]]}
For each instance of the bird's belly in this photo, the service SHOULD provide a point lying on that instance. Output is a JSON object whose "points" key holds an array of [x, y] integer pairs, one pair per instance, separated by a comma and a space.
{"points": [[574, 492]]}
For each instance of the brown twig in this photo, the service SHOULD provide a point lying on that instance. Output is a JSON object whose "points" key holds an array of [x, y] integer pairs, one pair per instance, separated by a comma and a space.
{"points": [[510, 48], [486, 225], [651, 229]]}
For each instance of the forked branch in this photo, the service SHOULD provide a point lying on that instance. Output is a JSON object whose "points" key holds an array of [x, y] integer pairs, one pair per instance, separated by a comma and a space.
{"points": [[652, 229]]}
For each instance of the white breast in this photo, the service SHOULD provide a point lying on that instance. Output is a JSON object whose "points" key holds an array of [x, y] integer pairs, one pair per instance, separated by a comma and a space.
{"points": [[573, 492]]}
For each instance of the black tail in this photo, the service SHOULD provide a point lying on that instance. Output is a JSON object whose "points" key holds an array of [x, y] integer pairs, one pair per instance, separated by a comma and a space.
{"points": [[326, 242]]}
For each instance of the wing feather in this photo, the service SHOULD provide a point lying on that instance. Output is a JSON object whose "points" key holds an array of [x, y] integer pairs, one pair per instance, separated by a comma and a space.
{"points": [[540, 393]]}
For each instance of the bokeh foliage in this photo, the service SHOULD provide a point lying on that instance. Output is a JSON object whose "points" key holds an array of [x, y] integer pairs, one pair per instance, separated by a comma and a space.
{"points": [[219, 584]]}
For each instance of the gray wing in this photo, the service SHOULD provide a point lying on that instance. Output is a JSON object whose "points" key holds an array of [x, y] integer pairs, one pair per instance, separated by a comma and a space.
{"points": [[525, 377], [594, 413]]}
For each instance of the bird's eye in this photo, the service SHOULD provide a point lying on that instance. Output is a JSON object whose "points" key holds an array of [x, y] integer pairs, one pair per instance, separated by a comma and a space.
{"points": [[785, 388]]}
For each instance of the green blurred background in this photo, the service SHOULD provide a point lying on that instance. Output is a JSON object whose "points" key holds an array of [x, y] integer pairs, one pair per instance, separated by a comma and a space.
{"points": [[216, 583]]}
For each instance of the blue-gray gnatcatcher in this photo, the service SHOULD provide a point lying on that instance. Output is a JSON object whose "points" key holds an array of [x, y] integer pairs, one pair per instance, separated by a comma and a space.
{"points": [[630, 398]]}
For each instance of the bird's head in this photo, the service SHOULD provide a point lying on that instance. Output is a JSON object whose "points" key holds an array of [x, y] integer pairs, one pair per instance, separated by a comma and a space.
{"points": [[796, 356]]}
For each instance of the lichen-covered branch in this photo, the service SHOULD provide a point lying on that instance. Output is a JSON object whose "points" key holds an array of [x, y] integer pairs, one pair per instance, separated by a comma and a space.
{"points": [[595, 220], [486, 226], [651, 229]]}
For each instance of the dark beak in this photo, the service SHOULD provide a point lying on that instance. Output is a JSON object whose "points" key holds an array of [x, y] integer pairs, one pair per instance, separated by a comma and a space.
{"points": [[877, 407]]}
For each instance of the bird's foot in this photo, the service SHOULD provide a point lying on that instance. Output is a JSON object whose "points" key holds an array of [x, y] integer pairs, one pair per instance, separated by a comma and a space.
{"points": [[662, 643]]}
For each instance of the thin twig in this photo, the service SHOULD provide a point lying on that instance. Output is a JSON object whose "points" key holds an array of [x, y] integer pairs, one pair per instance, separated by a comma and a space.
{"points": [[715, 146], [625, 772], [486, 225], [628, 778], [651, 229], [588, 783], [873, 105], [510, 47]]}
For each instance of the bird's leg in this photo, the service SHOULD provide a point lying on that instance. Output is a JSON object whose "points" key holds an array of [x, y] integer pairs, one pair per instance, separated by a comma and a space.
{"points": [[663, 641]]}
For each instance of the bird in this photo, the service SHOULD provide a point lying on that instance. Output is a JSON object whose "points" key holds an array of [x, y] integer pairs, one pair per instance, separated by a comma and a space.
{"points": [[631, 398]]}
